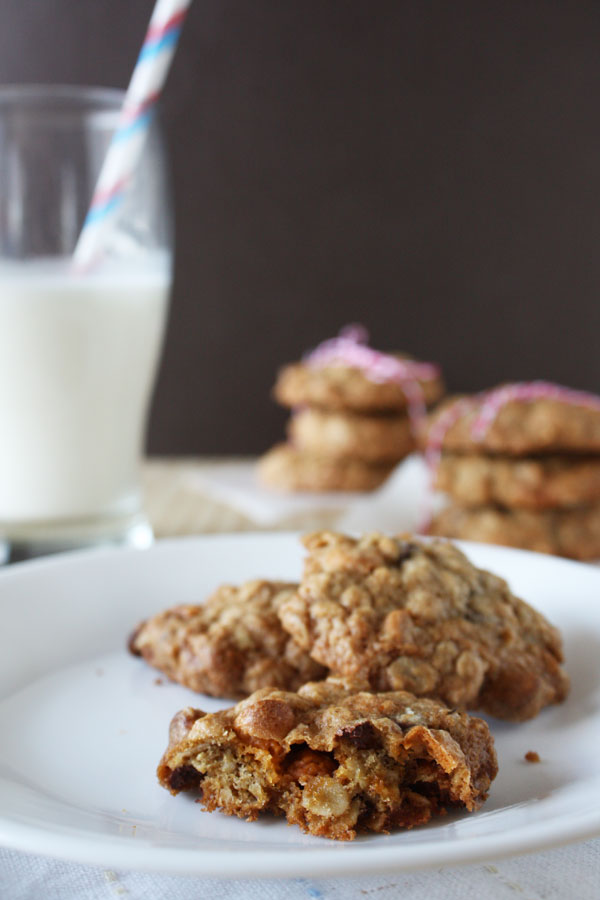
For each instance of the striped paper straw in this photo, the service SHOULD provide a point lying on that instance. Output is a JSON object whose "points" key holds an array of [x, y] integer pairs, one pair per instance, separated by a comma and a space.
{"points": [[128, 141]]}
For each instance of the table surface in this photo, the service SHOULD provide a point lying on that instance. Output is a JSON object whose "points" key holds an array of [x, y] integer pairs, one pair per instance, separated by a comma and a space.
{"points": [[174, 509]]}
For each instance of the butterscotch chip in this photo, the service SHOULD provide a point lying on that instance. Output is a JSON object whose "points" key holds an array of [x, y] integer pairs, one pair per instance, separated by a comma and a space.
{"points": [[342, 387], [230, 646], [574, 533], [520, 428], [523, 483], [286, 468], [340, 435], [397, 614], [333, 761]]}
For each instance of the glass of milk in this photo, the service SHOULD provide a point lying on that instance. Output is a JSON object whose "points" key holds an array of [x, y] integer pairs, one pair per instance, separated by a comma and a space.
{"points": [[78, 352]]}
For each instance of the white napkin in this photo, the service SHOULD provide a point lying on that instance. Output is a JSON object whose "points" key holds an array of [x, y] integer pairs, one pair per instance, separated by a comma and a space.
{"points": [[403, 503], [236, 485]]}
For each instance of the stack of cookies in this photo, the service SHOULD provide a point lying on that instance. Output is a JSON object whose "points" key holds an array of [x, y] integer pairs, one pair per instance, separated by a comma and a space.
{"points": [[347, 430], [404, 636], [521, 466]]}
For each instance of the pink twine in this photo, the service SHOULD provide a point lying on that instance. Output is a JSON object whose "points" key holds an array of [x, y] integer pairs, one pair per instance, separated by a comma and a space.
{"points": [[491, 402], [526, 391], [452, 414], [350, 348], [433, 451]]}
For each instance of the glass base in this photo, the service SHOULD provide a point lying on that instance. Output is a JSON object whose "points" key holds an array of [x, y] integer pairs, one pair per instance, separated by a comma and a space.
{"points": [[23, 541]]}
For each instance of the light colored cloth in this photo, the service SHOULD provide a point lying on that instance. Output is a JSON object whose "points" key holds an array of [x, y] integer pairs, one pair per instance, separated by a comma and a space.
{"points": [[553, 875]]}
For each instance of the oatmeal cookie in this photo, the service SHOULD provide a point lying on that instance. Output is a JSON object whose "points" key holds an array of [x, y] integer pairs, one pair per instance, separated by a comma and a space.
{"points": [[339, 435], [230, 646], [521, 428], [342, 387], [523, 482], [333, 762], [413, 615], [286, 468], [574, 533]]}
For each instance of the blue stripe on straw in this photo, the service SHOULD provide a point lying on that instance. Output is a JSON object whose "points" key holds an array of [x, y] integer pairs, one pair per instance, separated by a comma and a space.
{"points": [[98, 212], [154, 48], [141, 122]]}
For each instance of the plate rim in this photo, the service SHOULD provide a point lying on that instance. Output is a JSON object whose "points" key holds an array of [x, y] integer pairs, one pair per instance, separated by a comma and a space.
{"points": [[294, 862]]}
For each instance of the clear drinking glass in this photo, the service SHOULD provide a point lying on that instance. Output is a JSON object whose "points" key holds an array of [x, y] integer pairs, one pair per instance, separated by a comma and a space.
{"points": [[78, 352]]}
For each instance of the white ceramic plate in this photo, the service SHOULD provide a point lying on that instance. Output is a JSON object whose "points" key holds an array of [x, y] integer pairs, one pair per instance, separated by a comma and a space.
{"points": [[83, 724]]}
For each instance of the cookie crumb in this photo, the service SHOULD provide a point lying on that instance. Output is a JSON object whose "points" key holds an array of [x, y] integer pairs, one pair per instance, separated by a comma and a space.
{"points": [[532, 757], [158, 681]]}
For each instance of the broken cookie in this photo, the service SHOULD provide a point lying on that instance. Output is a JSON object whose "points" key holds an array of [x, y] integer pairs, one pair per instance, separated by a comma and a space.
{"points": [[333, 761]]}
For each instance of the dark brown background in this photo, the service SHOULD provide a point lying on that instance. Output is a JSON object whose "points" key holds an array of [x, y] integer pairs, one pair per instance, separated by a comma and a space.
{"points": [[431, 169]]}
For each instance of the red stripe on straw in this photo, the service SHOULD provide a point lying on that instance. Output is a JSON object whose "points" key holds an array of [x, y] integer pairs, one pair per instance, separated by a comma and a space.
{"points": [[132, 112], [157, 31], [102, 197]]}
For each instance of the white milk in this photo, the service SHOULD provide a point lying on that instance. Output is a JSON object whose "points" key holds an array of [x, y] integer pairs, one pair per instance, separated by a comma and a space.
{"points": [[78, 356]]}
